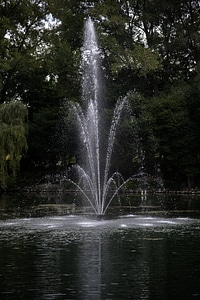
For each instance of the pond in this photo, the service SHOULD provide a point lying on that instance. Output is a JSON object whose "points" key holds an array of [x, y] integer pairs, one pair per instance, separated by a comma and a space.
{"points": [[151, 253]]}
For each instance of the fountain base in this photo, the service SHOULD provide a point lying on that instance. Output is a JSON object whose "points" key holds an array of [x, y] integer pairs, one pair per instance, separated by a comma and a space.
{"points": [[100, 217]]}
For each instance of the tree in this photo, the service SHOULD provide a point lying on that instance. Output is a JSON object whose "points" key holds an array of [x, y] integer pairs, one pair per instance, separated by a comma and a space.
{"points": [[171, 28], [137, 147], [37, 66], [13, 142], [23, 42], [127, 58], [174, 129]]}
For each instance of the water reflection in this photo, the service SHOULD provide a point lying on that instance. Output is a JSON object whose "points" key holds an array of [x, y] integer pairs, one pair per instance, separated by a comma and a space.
{"points": [[73, 257], [89, 279]]}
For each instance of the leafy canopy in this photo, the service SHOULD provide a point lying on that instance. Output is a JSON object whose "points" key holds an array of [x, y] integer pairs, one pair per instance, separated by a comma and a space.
{"points": [[13, 131]]}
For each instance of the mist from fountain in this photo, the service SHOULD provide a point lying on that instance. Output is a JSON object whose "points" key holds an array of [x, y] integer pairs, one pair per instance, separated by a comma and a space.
{"points": [[95, 182]]}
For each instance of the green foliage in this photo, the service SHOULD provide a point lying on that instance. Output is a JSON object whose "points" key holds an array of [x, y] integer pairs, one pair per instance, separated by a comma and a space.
{"points": [[22, 39], [136, 146], [174, 130], [13, 132], [147, 47], [140, 59]]}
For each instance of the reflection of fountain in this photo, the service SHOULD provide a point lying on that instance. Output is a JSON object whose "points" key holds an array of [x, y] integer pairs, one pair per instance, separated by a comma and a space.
{"points": [[90, 264], [96, 185]]}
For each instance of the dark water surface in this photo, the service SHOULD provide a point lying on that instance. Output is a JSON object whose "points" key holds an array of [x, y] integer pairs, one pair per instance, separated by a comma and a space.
{"points": [[74, 257]]}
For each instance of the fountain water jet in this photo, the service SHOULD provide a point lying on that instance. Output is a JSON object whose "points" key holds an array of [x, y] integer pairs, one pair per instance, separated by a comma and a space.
{"points": [[95, 183]]}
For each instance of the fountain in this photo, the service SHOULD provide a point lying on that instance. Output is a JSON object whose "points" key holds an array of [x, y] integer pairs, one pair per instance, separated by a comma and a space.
{"points": [[95, 182]]}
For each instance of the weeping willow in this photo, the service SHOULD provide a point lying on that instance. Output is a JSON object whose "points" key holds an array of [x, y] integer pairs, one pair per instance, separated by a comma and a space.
{"points": [[13, 138]]}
